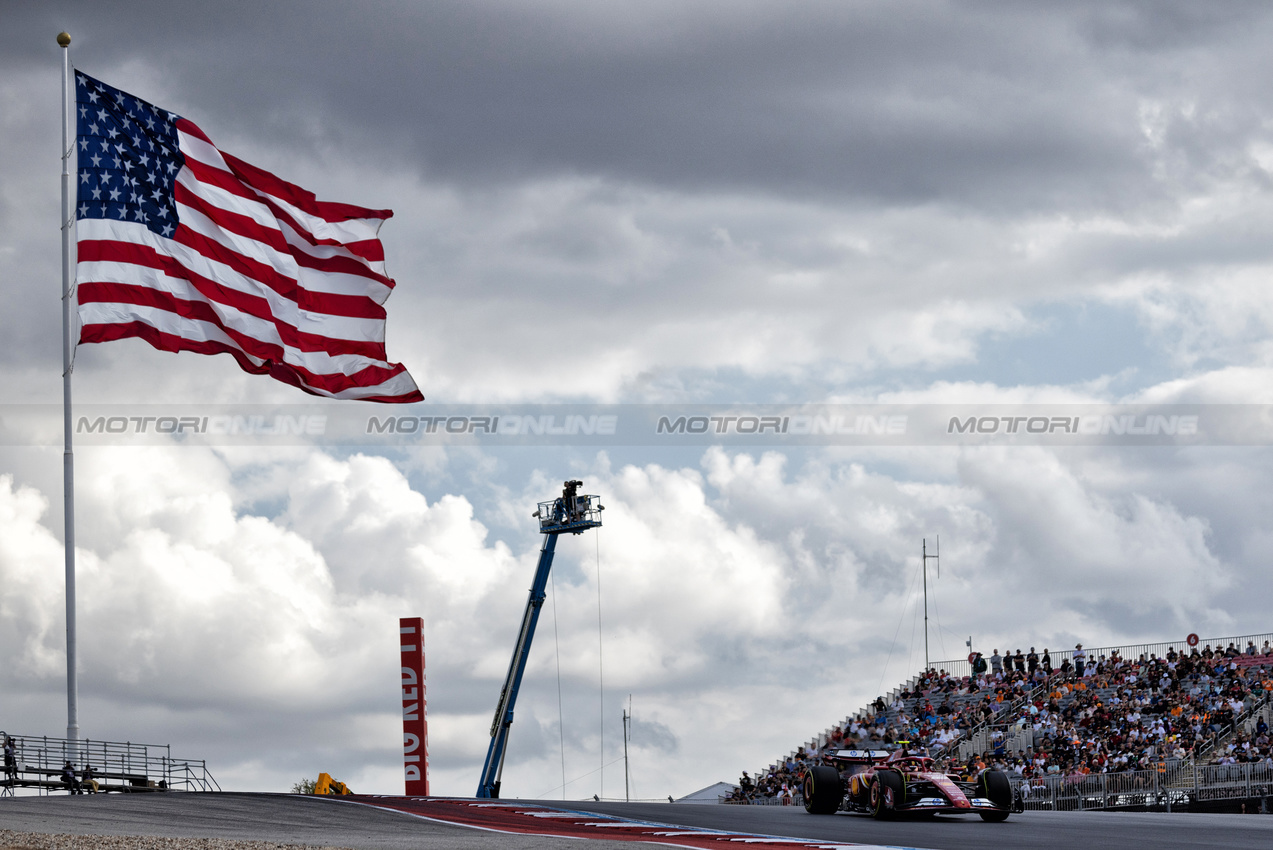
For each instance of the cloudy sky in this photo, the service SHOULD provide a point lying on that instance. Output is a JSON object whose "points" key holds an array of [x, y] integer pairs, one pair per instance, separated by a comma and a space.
{"points": [[652, 204]]}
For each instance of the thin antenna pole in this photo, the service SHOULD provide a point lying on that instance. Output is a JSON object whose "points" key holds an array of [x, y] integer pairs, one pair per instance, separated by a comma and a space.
{"points": [[68, 350], [936, 556], [925, 554], [627, 716]]}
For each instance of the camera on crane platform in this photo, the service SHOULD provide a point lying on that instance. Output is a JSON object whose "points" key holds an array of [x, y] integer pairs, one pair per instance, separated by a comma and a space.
{"points": [[572, 511]]}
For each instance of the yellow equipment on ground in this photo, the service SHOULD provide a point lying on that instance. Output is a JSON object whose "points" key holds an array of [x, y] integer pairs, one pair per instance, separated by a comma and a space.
{"points": [[327, 785]]}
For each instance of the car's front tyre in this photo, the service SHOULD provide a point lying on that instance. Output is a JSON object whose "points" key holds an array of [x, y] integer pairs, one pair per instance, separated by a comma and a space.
{"points": [[822, 790], [995, 787], [888, 794]]}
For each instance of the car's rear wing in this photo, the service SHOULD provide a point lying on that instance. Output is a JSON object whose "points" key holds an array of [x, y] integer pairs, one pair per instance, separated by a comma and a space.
{"points": [[860, 755]]}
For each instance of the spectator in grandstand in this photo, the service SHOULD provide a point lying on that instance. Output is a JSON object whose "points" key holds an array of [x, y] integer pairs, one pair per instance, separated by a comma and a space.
{"points": [[68, 778], [996, 665], [87, 780], [1079, 657]]}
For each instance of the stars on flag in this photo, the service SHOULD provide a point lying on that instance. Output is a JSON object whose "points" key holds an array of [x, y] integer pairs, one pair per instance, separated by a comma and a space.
{"points": [[289, 285], [141, 162]]}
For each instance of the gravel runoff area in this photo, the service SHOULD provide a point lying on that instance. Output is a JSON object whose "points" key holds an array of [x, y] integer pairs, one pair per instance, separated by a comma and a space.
{"points": [[10, 840]]}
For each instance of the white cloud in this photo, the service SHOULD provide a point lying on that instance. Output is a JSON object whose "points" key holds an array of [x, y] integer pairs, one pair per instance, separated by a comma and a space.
{"points": [[32, 586], [725, 590]]}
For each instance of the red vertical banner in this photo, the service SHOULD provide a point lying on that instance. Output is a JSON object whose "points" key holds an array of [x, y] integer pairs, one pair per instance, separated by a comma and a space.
{"points": [[415, 726]]}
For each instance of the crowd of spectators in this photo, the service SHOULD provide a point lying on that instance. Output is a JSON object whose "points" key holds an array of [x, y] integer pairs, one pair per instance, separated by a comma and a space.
{"points": [[1088, 715], [1143, 714]]}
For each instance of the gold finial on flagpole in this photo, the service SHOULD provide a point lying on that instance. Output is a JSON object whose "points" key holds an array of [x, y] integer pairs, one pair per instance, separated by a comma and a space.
{"points": [[64, 39]]}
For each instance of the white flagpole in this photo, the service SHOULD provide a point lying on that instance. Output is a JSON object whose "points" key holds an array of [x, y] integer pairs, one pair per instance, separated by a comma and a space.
{"points": [[68, 351]]}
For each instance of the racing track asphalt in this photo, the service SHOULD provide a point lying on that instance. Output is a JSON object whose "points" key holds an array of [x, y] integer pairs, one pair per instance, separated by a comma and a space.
{"points": [[290, 818]]}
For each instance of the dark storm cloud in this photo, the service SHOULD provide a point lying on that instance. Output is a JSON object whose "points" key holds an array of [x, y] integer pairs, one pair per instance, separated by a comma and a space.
{"points": [[1009, 106]]}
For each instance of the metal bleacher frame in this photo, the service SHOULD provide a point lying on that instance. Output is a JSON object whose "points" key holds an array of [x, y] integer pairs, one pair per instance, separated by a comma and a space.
{"points": [[117, 766]]}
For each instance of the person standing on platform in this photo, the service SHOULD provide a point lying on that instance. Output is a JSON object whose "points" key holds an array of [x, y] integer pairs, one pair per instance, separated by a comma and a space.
{"points": [[10, 759]]}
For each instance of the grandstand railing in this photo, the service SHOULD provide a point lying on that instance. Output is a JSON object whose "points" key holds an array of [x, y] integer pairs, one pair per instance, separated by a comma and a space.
{"points": [[1243, 722], [796, 799], [961, 666], [977, 740], [149, 766], [1167, 787]]}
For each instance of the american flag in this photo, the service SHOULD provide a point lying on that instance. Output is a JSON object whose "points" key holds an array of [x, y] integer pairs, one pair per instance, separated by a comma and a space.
{"points": [[192, 249]]}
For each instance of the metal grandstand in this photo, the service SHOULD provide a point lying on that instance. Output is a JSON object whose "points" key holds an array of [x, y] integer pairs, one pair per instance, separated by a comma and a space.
{"points": [[962, 667], [1173, 783], [123, 767]]}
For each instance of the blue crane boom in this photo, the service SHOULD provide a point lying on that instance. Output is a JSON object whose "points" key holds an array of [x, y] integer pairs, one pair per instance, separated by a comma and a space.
{"points": [[572, 513]]}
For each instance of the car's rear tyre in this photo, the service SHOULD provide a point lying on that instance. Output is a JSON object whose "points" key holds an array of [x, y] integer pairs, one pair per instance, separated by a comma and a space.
{"points": [[888, 794], [995, 787], [822, 790]]}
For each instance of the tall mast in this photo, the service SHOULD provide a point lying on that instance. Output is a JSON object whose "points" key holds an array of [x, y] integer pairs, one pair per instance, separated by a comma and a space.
{"points": [[924, 551], [926, 556], [68, 356]]}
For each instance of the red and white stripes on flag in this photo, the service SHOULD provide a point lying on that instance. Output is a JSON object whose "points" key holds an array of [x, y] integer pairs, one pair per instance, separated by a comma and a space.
{"points": [[222, 256]]}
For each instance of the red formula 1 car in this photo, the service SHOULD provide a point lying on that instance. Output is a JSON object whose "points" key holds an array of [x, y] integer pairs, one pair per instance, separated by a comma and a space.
{"points": [[888, 784]]}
